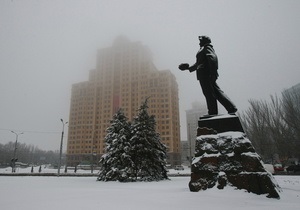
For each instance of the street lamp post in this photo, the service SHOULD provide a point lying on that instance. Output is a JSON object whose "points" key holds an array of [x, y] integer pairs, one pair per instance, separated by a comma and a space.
{"points": [[61, 145], [93, 155], [13, 161], [190, 143]]}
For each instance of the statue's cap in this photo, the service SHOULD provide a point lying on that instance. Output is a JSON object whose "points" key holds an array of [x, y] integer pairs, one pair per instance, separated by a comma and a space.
{"points": [[206, 39]]}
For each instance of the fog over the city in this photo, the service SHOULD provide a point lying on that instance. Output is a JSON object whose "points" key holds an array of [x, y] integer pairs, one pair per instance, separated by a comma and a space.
{"points": [[46, 46]]}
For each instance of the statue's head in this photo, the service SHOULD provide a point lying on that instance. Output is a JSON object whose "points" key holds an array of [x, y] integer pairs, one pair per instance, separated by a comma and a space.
{"points": [[204, 40]]}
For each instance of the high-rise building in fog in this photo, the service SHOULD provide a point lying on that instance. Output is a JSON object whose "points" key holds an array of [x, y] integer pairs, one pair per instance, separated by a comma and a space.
{"points": [[123, 78]]}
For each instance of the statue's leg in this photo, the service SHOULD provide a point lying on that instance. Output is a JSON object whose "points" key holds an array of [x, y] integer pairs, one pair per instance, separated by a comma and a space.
{"points": [[223, 99], [208, 92]]}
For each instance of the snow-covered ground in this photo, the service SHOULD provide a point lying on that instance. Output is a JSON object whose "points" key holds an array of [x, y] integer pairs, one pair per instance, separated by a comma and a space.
{"points": [[70, 171], [51, 192]]}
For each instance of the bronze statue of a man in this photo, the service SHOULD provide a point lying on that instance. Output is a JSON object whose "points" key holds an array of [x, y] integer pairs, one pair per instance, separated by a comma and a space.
{"points": [[206, 67]]}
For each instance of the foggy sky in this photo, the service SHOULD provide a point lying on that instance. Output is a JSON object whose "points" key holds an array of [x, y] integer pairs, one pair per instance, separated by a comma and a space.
{"points": [[46, 46]]}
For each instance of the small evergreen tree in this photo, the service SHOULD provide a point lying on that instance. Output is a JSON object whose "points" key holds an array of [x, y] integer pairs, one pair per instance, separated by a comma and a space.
{"points": [[147, 152], [116, 164]]}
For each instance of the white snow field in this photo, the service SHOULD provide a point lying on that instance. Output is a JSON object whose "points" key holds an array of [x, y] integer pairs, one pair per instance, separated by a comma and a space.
{"points": [[54, 193]]}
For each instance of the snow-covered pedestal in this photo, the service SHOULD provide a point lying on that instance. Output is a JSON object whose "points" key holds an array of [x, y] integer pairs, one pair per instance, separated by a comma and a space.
{"points": [[228, 158]]}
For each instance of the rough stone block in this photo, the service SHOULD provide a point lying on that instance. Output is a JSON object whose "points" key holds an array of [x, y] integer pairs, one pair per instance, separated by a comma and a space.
{"points": [[229, 158]]}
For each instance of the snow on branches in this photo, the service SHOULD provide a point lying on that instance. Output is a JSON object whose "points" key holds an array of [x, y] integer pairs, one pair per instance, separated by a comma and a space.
{"points": [[134, 151]]}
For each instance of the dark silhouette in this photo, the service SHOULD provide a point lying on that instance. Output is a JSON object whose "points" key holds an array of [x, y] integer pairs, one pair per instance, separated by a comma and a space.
{"points": [[206, 67]]}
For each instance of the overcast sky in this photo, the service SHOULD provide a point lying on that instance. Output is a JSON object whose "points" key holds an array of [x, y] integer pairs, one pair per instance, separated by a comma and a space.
{"points": [[46, 46]]}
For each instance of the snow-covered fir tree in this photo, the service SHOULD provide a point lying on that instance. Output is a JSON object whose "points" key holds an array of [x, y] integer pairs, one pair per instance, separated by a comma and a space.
{"points": [[147, 152], [116, 164]]}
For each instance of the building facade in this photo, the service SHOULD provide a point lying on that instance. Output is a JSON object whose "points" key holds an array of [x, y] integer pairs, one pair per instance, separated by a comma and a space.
{"points": [[185, 153], [123, 78], [295, 88], [192, 118]]}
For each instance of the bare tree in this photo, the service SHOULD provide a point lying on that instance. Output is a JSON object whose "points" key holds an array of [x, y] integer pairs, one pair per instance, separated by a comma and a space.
{"points": [[291, 110], [257, 129], [27, 154], [273, 127]]}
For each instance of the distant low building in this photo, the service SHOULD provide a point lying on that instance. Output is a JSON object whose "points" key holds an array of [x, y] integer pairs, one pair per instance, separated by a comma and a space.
{"points": [[295, 88], [192, 117], [185, 153]]}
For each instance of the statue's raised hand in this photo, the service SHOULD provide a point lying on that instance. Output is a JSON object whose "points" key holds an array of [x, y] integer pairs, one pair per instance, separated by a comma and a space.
{"points": [[183, 66]]}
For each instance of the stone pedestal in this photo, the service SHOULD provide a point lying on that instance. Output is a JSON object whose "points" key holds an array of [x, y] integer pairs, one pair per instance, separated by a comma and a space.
{"points": [[225, 156], [222, 123]]}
